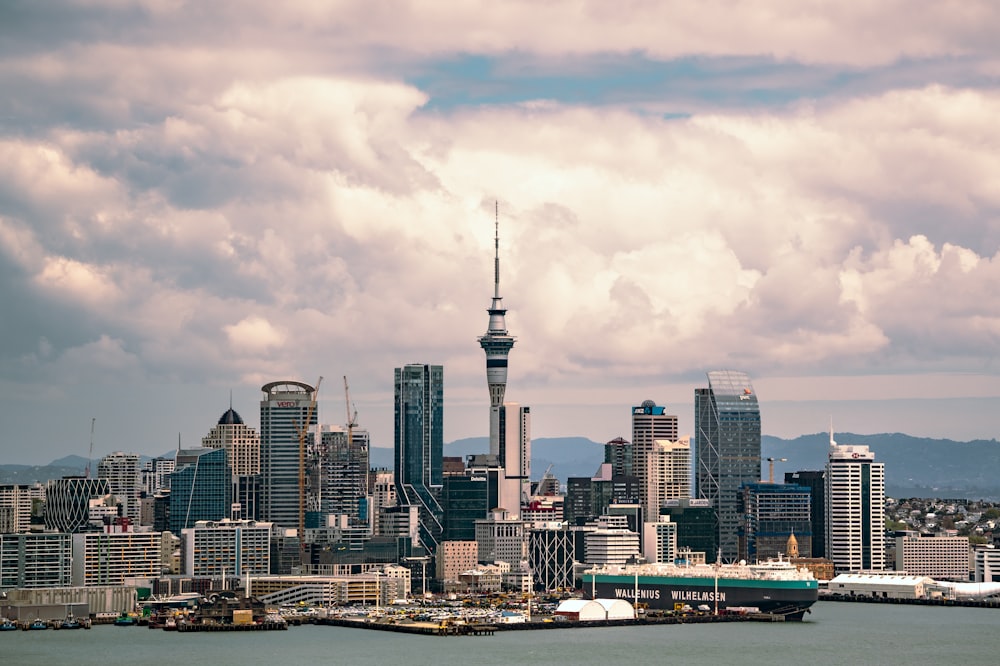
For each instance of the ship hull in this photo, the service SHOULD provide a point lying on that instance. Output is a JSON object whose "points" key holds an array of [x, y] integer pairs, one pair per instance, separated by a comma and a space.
{"points": [[791, 598]]}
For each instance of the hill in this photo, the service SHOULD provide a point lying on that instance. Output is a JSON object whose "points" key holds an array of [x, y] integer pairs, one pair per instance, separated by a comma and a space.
{"points": [[915, 466]]}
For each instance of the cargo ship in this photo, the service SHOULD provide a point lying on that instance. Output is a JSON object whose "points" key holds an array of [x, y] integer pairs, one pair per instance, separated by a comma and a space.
{"points": [[777, 587]]}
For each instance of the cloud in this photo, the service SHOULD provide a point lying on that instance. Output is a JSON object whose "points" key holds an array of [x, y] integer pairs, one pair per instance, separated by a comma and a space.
{"points": [[257, 205], [254, 334]]}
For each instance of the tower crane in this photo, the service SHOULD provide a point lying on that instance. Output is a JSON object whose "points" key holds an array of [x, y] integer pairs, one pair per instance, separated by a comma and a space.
{"points": [[303, 431], [352, 419]]}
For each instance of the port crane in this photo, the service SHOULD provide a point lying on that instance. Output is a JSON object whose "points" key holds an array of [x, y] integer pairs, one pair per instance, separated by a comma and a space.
{"points": [[303, 431]]}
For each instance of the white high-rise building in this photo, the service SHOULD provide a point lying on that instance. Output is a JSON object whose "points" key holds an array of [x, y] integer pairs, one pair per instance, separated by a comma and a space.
{"points": [[515, 457], [121, 470], [668, 475], [659, 541], [855, 509]]}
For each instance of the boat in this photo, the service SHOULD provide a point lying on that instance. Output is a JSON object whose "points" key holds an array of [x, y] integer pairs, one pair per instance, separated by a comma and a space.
{"points": [[7, 625], [38, 625], [775, 587], [124, 620], [69, 623]]}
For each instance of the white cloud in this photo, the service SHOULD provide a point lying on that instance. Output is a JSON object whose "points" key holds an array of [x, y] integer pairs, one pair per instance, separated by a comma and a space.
{"points": [[254, 334]]}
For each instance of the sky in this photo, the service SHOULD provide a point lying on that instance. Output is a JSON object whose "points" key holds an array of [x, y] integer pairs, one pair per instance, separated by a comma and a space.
{"points": [[199, 198]]}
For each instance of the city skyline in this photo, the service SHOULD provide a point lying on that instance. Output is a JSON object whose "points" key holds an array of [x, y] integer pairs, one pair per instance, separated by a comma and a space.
{"points": [[270, 193]]}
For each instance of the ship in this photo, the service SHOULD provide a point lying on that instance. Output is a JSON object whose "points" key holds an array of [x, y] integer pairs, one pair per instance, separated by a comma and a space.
{"points": [[775, 587]]}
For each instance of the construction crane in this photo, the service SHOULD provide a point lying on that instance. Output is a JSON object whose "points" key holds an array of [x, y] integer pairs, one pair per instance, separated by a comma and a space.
{"points": [[303, 431], [770, 468], [352, 419], [90, 455]]}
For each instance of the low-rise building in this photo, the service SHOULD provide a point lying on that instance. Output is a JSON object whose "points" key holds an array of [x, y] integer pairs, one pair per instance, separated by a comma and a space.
{"points": [[937, 556]]}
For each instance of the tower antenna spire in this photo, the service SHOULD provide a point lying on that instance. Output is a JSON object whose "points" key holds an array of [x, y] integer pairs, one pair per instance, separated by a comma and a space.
{"points": [[496, 247]]}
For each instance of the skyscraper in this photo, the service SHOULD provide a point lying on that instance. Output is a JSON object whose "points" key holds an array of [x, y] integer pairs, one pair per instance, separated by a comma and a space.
{"points": [[668, 474], [855, 509], [285, 411], [772, 513], [200, 488], [727, 448], [515, 456], [121, 470], [242, 446], [419, 445], [240, 441], [650, 423], [497, 344], [815, 481]]}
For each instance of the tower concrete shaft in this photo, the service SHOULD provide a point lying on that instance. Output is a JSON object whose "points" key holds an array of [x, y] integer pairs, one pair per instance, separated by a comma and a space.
{"points": [[497, 343]]}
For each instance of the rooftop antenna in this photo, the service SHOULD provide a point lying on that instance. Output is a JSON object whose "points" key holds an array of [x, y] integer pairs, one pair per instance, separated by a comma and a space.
{"points": [[832, 443], [178, 442]]}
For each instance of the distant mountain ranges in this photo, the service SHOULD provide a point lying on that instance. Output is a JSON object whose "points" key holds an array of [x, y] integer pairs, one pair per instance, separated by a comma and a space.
{"points": [[915, 466]]}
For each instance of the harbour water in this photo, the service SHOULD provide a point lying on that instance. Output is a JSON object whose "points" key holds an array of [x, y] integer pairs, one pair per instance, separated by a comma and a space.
{"points": [[834, 633]]}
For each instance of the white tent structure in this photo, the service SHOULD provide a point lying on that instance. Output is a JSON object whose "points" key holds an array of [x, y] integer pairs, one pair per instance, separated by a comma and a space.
{"points": [[617, 609]]}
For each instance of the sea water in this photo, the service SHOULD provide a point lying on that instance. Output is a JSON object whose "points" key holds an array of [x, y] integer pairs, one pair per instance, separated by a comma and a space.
{"points": [[834, 633]]}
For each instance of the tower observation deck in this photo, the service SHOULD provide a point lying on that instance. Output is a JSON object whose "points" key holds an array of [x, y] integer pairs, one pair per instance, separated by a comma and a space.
{"points": [[497, 343]]}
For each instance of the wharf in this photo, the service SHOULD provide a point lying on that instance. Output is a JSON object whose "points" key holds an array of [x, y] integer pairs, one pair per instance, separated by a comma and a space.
{"points": [[478, 629], [263, 626], [861, 599]]}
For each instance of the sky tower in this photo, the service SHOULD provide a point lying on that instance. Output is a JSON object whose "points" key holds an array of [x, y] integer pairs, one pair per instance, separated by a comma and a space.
{"points": [[497, 344]]}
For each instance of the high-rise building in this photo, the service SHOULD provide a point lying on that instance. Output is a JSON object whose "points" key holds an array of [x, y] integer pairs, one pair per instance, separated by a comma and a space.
{"points": [[339, 474], [240, 442], [200, 488], [497, 343], [727, 448], [650, 422], [419, 445], [855, 509], [16, 504], [668, 474], [242, 446], [231, 548], [67, 502], [35, 560], [109, 558], [618, 454], [155, 475], [464, 500], [659, 541], [515, 456], [382, 485], [286, 410], [697, 525], [815, 481], [773, 513], [121, 470]]}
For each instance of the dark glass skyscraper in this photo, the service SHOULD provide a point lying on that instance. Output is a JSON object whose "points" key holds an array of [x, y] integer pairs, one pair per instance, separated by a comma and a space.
{"points": [[200, 488], [419, 444], [727, 448]]}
